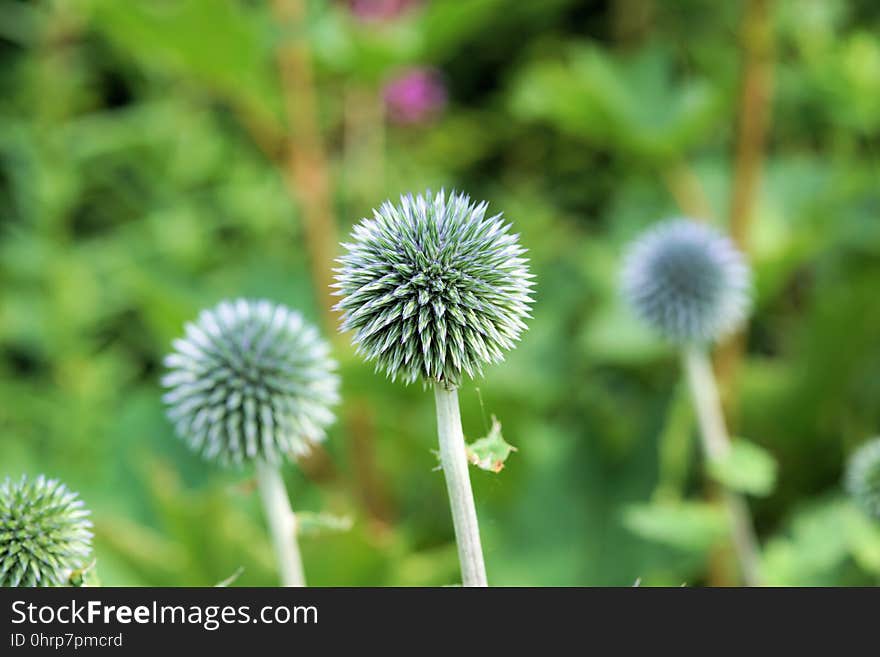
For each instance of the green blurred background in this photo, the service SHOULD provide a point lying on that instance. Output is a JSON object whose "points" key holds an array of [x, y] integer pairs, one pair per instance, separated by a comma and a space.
{"points": [[157, 156]]}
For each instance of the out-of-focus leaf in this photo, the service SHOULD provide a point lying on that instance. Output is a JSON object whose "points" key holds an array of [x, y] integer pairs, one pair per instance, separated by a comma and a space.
{"points": [[631, 103], [819, 542], [215, 42], [616, 336], [812, 548], [864, 539], [747, 468], [693, 526], [22, 22], [342, 43], [316, 524], [491, 451], [143, 546], [446, 23]]}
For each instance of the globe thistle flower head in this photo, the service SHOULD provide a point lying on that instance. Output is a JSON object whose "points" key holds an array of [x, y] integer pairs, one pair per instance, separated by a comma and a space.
{"points": [[687, 281], [432, 288], [250, 380], [45, 533], [863, 477]]}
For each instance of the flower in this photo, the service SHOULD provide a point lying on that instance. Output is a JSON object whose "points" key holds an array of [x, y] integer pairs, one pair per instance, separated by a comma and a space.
{"points": [[250, 380], [687, 281], [379, 11], [432, 288], [45, 533], [415, 96], [863, 477]]}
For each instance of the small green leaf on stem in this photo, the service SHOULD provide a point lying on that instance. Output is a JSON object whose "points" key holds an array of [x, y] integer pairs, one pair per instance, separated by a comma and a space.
{"points": [[490, 452], [692, 526], [746, 468]]}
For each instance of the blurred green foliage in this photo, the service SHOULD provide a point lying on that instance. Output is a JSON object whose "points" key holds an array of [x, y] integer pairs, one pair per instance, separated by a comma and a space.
{"points": [[136, 187]]}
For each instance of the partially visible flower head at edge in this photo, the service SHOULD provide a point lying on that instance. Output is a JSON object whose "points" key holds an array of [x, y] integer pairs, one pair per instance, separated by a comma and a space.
{"points": [[45, 532], [432, 288], [687, 281], [250, 380], [863, 477], [379, 11], [415, 95]]}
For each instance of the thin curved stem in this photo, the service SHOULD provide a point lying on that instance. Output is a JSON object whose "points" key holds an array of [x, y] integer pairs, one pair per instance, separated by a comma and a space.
{"points": [[458, 484], [753, 127], [716, 445], [282, 523]]}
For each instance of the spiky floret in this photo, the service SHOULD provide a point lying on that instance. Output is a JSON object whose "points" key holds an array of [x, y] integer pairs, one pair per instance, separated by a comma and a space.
{"points": [[687, 281], [250, 380], [433, 288], [863, 477], [45, 533]]}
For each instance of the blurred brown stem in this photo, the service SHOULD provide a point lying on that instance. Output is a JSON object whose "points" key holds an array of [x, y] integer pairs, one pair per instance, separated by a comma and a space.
{"points": [[686, 189], [752, 127], [308, 177], [368, 480], [364, 140], [306, 168], [631, 20], [754, 117]]}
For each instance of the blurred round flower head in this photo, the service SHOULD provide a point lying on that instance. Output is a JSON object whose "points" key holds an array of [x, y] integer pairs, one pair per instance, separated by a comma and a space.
{"points": [[863, 477], [433, 288], [687, 281], [378, 11], [415, 96], [45, 533], [250, 380]]}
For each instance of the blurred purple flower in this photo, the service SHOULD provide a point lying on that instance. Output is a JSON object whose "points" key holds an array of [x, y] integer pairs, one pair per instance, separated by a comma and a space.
{"points": [[415, 95], [377, 11]]}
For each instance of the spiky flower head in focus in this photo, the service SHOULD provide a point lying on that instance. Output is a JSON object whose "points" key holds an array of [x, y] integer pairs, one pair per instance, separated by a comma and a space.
{"points": [[687, 281], [45, 533], [250, 380], [433, 288], [863, 477]]}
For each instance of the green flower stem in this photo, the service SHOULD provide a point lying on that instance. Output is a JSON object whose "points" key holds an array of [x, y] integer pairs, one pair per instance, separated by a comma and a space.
{"points": [[458, 484], [716, 445], [282, 523]]}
